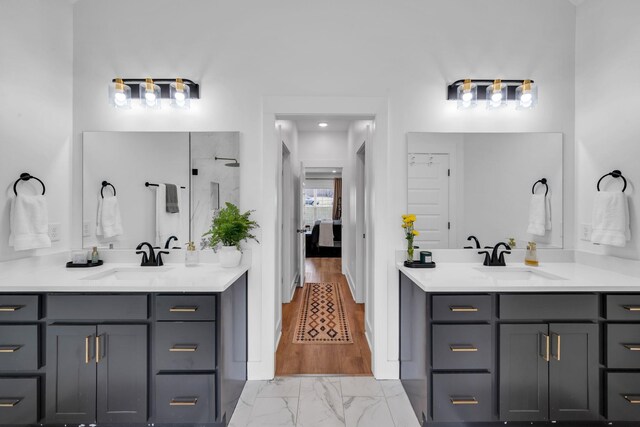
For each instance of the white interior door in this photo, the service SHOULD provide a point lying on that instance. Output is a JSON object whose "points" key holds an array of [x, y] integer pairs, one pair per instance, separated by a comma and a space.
{"points": [[302, 237], [428, 198]]}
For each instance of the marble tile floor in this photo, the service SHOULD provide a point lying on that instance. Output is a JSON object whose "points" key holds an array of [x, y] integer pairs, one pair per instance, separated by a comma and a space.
{"points": [[324, 402]]}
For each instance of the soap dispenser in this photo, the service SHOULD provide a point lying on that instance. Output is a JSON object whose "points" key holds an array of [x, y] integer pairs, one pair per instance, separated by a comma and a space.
{"points": [[191, 257], [531, 258]]}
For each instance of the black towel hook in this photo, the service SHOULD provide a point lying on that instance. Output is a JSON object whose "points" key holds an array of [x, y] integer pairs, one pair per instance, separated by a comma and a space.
{"points": [[107, 184], [616, 174], [26, 177], [542, 181]]}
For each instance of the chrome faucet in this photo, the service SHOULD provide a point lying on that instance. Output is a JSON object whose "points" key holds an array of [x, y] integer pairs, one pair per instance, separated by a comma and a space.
{"points": [[496, 258]]}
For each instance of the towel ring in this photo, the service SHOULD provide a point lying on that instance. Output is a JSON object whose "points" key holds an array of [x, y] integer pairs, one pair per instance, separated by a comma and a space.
{"points": [[616, 174], [542, 181], [26, 177], [107, 184]]}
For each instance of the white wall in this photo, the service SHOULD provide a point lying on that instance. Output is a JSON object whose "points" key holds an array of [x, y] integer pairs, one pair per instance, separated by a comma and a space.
{"points": [[607, 125], [405, 51], [324, 147], [36, 41]]}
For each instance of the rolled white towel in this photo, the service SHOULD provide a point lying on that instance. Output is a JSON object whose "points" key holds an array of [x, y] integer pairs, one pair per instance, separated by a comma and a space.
{"points": [[610, 221], [29, 219], [537, 215], [109, 222]]}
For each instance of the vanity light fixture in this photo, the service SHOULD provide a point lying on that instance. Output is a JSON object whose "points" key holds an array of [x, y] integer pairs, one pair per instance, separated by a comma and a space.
{"points": [[149, 94], [119, 94], [496, 93], [323, 124], [180, 94]]}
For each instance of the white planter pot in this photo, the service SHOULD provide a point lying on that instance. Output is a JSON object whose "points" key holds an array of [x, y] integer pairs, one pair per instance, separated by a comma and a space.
{"points": [[230, 256]]}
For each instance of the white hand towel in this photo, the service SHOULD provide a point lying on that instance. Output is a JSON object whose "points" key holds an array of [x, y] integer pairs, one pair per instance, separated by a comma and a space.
{"points": [[326, 234], [29, 219], [109, 222], [547, 207], [537, 215], [167, 224], [610, 221]]}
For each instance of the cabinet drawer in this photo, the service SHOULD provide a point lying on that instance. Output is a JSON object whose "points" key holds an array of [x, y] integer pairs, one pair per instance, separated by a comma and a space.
{"points": [[18, 308], [462, 397], [185, 398], [18, 401], [623, 346], [18, 347], [548, 307], [186, 307], [462, 347], [185, 346], [623, 397], [97, 307], [623, 307], [464, 308]]}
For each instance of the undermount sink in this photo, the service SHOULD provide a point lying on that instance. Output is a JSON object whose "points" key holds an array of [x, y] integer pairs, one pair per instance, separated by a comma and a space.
{"points": [[517, 274], [129, 273]]}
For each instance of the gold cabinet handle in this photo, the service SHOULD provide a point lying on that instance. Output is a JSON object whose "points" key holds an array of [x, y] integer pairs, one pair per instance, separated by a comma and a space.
{"points": [[10, 308], [183, 401], [557, 356], [463, 309], [183, 309], [87, 354], [9, 403], [97, 349], [464, 401], [547, 352], [9, 348], [631, 307], [463, 348], [632, 347], [634, 400], [184, 348]]}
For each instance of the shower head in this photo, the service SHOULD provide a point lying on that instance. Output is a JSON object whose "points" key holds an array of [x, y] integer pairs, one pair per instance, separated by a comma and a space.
{"points": [[233, 164]]}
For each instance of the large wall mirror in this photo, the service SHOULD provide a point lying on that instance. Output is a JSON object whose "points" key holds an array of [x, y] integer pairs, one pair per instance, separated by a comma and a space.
{"points": [[481, 184], [202, 168]]}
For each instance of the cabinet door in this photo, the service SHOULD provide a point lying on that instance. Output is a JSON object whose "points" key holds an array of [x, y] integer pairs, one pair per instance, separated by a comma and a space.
{"points": [[573, 372], [121, 360], [71, 374], [524, 372]]}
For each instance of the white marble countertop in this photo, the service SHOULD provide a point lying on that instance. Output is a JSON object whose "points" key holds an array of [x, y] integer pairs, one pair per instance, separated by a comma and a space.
{"points": [[550, 277], [173, 277]]}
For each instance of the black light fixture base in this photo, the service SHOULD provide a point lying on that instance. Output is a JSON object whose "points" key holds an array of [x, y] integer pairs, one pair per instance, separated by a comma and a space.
{"points": [[483, 84], [194, 88]]}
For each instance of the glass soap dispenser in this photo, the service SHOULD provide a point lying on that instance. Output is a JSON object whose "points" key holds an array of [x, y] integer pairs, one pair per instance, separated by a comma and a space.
{"points": [[531, 258], [191, 256]]}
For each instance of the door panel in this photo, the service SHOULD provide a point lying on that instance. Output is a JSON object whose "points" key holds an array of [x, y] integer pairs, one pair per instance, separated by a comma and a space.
{"points": [[71, 374], [524, 373], [302, 237], [122, 373], [573, 372]]}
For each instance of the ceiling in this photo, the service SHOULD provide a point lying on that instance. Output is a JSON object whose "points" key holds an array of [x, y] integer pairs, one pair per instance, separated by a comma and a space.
{"points": [[310, 123]]}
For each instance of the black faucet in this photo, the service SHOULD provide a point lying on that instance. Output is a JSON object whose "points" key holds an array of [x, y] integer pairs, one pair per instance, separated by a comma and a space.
{"points": [[147, 261], [474, 238], [168, 242], [496, 259]]}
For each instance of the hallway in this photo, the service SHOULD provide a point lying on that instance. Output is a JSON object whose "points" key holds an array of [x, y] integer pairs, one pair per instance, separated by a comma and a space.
{"points": [[323, 359]]}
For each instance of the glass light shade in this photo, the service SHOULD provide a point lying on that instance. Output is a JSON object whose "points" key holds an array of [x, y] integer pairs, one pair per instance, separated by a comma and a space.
{"points": [[526, 95], [496, 95], [119, 95], [149, 95], [467, 95], [180, 95]]}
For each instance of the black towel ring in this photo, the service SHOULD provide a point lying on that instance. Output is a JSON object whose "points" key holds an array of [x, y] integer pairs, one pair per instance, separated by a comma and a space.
{"points": [[107, 184], [542, 181], [26, 177], [616, 174]]}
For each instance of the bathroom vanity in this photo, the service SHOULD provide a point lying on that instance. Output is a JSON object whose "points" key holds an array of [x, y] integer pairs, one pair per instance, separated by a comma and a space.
{"points": [[520, 345], [117, 348]]}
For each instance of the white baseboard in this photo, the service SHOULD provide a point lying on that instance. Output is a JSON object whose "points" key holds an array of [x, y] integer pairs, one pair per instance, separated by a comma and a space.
{"points": [[351, 284], [293, 285]]}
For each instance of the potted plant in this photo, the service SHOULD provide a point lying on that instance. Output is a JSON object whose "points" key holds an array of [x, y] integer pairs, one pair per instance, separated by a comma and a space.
{"points": [[228, 228]]}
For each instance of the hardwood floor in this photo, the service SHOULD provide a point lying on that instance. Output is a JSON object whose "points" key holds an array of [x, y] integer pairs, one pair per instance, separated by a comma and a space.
{"points": [[325, 359]]}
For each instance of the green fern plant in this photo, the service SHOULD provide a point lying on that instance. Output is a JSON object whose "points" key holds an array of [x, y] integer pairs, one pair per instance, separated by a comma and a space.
{"points": [[230, 227]]}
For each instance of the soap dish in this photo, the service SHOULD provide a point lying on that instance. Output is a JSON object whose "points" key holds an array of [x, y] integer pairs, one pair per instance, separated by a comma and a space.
{"points": [[87, 265], [418, 264]]}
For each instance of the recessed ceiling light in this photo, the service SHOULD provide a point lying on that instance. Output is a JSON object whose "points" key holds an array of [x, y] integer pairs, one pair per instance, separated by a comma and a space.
{"points": [[334, 171], [323, 124]]}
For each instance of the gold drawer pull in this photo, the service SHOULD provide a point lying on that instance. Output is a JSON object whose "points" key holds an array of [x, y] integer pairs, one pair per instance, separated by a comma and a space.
{"points": [[184, 348], [634, 400], [632, 307], [463, 309], [466, 348], [464, 401], [9, 348], [183, 401], [10, 308], [632, 347], [183, 309], [9, 403]]}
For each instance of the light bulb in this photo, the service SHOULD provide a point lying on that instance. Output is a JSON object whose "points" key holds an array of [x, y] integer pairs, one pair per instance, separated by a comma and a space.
{"points": [[467, 97], [150, 98], [179, 96], [120, 98], [496, 98]]}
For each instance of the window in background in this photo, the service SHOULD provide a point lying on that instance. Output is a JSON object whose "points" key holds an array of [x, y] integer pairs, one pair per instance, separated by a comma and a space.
{"points": [[318, 205]]}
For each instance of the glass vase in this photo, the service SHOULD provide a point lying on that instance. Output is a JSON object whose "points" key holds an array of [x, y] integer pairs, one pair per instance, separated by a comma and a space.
{"points": [[410, 250]]}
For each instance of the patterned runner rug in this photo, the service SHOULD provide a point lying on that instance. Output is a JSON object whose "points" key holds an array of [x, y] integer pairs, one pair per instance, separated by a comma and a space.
{"points": [[322, 319]]}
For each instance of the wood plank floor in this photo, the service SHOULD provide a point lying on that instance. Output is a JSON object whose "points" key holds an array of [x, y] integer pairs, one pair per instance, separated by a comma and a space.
{"points": [[325, 359]]}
